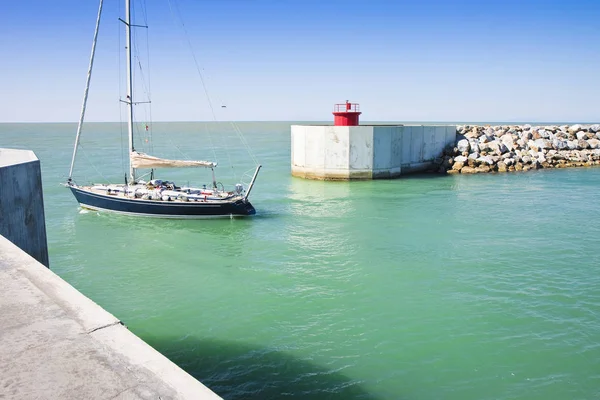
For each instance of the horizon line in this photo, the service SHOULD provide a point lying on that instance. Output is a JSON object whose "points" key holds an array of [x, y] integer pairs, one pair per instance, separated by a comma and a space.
{"points": [[365, 122]]}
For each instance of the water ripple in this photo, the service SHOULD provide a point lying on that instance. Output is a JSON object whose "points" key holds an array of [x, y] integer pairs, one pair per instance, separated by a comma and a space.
{"points": [[462, 287]]}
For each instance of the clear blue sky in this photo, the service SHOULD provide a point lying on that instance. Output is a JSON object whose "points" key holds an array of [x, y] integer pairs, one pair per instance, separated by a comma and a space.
{"points": [[291, 60]]}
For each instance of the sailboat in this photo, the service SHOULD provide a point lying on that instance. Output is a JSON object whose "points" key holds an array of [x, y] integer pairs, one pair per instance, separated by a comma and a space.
{"points": [[155, 197]]}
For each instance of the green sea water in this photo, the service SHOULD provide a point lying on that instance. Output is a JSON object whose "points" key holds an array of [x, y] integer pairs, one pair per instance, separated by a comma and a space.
{"points": [[427, 287]]}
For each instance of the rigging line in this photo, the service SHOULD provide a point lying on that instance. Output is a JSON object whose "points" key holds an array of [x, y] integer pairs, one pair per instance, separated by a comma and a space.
{"points": [[122, 147], [87, 157], [242, 138], [224, 140], [146, 90], [139, 63], [210, 140], [150, 129], [120, 91], [145, 87], [178, 148], [202, 79], [212, 110], [244, 142], [135, 78], [236, 128], [226, 146], [143, 77], [144, 12]]}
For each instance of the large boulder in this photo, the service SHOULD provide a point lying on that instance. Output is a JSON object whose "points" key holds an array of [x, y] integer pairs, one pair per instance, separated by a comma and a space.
{"points": [[490, 132], [581, 135], [559, 144], [532, 145], [582, 144], [543, 144], [561, 135], [541, 158], [485, 160], [463, 145], [497, 133], [594, 128], [472, 134], [468, 170], [574, 128], [458, 165], [494, 147], [472, 159], [593, 143], [508, 141], [544, 133]]}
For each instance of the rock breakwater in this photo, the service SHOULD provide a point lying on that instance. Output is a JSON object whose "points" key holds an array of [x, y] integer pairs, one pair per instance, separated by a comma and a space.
{"points": [[503, 148]]}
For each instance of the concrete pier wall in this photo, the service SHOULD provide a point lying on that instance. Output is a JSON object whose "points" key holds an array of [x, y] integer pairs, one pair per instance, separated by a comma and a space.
{"points": [[22, 204], [55, 343], [366, 151]]}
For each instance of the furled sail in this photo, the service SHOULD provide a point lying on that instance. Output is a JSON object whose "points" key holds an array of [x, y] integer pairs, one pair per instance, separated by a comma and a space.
{"points": [[143, 160]]}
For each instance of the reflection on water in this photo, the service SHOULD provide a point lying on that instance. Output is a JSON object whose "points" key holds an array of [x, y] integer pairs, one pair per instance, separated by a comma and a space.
{"points": [[320, 198], [320, 210]]}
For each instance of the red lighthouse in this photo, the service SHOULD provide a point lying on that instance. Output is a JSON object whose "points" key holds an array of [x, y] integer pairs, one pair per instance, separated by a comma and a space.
{"points": [[346, 114]]}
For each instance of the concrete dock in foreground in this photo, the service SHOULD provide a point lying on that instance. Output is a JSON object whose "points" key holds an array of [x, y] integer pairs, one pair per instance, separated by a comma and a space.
{"points": [[55, 343]]}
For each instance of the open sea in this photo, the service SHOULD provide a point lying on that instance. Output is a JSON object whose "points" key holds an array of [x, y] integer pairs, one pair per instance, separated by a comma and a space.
{"points": [[427, 287]]}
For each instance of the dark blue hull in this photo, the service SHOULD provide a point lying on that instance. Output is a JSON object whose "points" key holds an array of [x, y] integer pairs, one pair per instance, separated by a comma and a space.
{"points": [[162, 209]]}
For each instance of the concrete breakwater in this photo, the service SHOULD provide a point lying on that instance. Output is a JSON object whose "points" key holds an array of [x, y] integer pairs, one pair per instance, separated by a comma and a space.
{"points": [[328, 152], [480, 149]]}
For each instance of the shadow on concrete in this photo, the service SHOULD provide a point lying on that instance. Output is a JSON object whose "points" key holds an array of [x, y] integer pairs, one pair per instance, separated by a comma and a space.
{"points": [[242, 371]]}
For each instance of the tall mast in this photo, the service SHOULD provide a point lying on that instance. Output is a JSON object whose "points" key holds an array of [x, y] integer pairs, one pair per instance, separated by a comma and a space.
{"points": [[87, 89], [129, 101]]}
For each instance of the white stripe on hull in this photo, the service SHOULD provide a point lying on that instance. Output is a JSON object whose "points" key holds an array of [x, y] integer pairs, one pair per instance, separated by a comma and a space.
{"points": [[93, 208]]}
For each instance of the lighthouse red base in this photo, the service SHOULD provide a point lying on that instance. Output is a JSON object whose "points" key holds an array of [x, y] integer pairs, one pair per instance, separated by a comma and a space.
{"points": [[346, 114]]}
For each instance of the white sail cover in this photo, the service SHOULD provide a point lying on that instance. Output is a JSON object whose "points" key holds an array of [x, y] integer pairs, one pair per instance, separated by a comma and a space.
{"points": [[143, 160]]}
